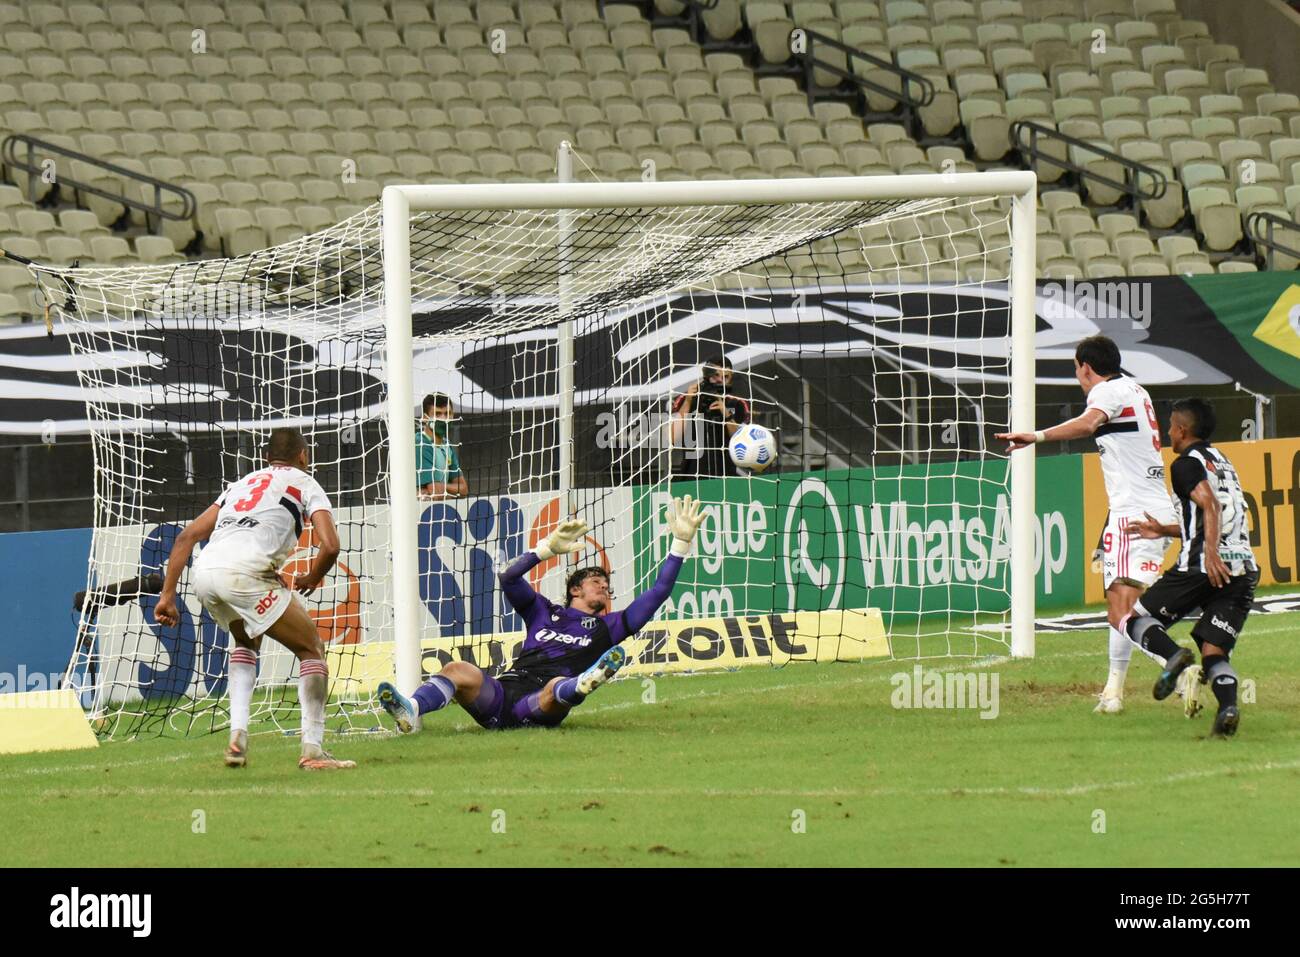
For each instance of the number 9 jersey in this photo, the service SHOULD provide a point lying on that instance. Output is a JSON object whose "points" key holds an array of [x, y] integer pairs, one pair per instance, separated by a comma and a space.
{"points": [[261, 518], [1128, 443], [1129, 446]]}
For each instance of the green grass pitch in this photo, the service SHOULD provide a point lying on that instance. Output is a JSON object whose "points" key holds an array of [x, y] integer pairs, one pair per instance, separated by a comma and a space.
{"points": [[721, 770]]}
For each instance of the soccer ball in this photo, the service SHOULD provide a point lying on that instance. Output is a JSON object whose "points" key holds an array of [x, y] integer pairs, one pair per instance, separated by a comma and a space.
{"points": [[752, 447]]}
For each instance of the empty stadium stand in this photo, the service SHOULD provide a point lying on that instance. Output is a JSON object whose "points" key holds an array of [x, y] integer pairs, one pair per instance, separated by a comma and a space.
{"points": [[281, 117]]}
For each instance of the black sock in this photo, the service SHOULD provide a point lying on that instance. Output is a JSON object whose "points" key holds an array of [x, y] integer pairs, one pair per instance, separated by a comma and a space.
{"points": [[1222, 679], [1151, 635]]}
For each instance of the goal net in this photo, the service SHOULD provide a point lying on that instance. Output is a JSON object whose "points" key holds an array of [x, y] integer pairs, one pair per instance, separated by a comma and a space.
{"points": [[565, 350]]}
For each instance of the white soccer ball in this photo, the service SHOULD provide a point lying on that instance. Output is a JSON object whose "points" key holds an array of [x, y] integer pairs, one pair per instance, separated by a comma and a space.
{"points": [[753, 447]]}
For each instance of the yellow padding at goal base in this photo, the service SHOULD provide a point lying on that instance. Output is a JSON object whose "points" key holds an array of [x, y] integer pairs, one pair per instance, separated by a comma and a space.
{"points": [[700, 644], [43, 721]]}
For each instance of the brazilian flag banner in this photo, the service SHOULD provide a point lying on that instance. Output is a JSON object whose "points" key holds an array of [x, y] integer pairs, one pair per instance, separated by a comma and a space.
{"points": [[1262, 312]]}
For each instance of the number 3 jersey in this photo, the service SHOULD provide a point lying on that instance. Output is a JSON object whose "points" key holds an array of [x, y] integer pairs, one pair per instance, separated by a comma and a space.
{"points": [[1129, 444], [1203, 462], [261, 518]]}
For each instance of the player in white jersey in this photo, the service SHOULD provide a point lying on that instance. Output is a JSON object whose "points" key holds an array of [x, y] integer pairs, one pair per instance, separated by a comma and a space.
{"points": [[250, 531], [1119, 415]]}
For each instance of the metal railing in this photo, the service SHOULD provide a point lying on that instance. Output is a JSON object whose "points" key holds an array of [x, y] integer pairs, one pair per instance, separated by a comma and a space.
{"points": [[811, 62], [13, 154], [1260, 228], [1133, 170]]}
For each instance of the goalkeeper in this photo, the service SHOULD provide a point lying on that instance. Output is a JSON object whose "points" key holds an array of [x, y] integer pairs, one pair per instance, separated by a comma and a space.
{"points": [[570, 649]]}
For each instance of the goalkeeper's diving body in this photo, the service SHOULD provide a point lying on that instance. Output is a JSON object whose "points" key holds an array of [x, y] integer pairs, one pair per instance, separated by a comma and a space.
{"points": [[570, 650]]}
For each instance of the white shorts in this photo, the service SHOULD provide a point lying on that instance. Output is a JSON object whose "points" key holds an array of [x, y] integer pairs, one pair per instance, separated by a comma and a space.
{"points": [[1137, 559], [256, 600]]}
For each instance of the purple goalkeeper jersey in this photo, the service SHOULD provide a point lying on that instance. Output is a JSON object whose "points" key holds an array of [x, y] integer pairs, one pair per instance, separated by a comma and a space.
{"points": [[563, 641]]}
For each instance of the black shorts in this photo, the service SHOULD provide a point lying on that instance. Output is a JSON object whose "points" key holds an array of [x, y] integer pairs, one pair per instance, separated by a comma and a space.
{"points": [[502, 702], [1223, 610]]}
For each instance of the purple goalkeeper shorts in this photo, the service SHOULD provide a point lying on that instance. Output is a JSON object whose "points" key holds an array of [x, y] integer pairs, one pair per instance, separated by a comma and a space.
{"points": [[510, 701]]}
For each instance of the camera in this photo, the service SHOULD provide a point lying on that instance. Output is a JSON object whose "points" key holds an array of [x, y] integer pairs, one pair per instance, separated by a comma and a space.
{"points": [[710, 392]]}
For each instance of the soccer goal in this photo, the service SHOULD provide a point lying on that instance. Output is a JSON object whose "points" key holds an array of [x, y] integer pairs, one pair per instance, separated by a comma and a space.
{"points": [[881, 327]]}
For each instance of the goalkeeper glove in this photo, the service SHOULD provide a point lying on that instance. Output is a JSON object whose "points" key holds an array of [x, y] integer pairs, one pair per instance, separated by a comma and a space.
{"points": [[684, 522], [569, 536]]}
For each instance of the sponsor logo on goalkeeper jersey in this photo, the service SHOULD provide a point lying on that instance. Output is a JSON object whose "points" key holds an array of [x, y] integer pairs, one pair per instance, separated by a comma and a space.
{"points": [[77, 910], [547, 634]]}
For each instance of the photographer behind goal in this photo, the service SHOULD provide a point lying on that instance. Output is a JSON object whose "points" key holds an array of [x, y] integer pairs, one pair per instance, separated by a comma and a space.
{"points": [[704, 418]]}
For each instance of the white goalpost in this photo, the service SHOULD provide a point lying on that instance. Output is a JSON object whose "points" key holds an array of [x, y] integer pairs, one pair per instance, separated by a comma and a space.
{"points": [[882, 328], [401, 202]]}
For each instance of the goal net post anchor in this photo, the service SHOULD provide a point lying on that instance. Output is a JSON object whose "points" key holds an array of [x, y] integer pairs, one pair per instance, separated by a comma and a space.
{"points": [[399, 202]]}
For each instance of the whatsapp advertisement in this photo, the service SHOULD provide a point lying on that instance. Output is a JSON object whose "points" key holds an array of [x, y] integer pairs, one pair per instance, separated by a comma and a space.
{"points": [[910, 540]]}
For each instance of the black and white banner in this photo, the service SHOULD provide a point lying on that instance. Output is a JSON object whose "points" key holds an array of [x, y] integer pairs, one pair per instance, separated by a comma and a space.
{"points": [[157, 374]]}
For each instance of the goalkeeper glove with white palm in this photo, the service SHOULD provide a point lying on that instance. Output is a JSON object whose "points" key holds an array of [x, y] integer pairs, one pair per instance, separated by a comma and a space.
{"points": [[684, 521], [569, 536]]}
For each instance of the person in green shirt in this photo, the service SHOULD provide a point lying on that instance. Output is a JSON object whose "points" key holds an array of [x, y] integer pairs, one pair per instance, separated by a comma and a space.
{"points": [[438, 473]]}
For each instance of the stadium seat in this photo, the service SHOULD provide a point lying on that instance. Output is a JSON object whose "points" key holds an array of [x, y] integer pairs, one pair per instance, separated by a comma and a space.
{"points": [[1251, 198], [409, 89], [1217, 217], [771, 28], [1204, 174], [1183, 152], [1214, 130], [1248, 84], [155, 249], [1236, 266]]}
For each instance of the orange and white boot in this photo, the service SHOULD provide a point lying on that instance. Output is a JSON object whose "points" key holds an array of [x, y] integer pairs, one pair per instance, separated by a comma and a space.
{"points": [[315, 758], [237, 750]]}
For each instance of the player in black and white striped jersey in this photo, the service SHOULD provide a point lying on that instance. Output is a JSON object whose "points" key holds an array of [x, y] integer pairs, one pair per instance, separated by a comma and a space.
{"points": [[1216, 569]]}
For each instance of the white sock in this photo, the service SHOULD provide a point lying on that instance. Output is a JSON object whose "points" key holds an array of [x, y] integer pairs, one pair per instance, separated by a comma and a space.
{"points": [[243, 673], [313, 685], [1121, 650]]}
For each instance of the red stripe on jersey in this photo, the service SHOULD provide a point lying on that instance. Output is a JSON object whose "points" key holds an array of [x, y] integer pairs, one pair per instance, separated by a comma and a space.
{"points": [[295, 493], [1127, 410]]}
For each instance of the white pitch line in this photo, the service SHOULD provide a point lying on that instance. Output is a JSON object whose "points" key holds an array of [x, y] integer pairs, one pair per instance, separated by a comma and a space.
{"points": [[101, 764], [1074, 790]]}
